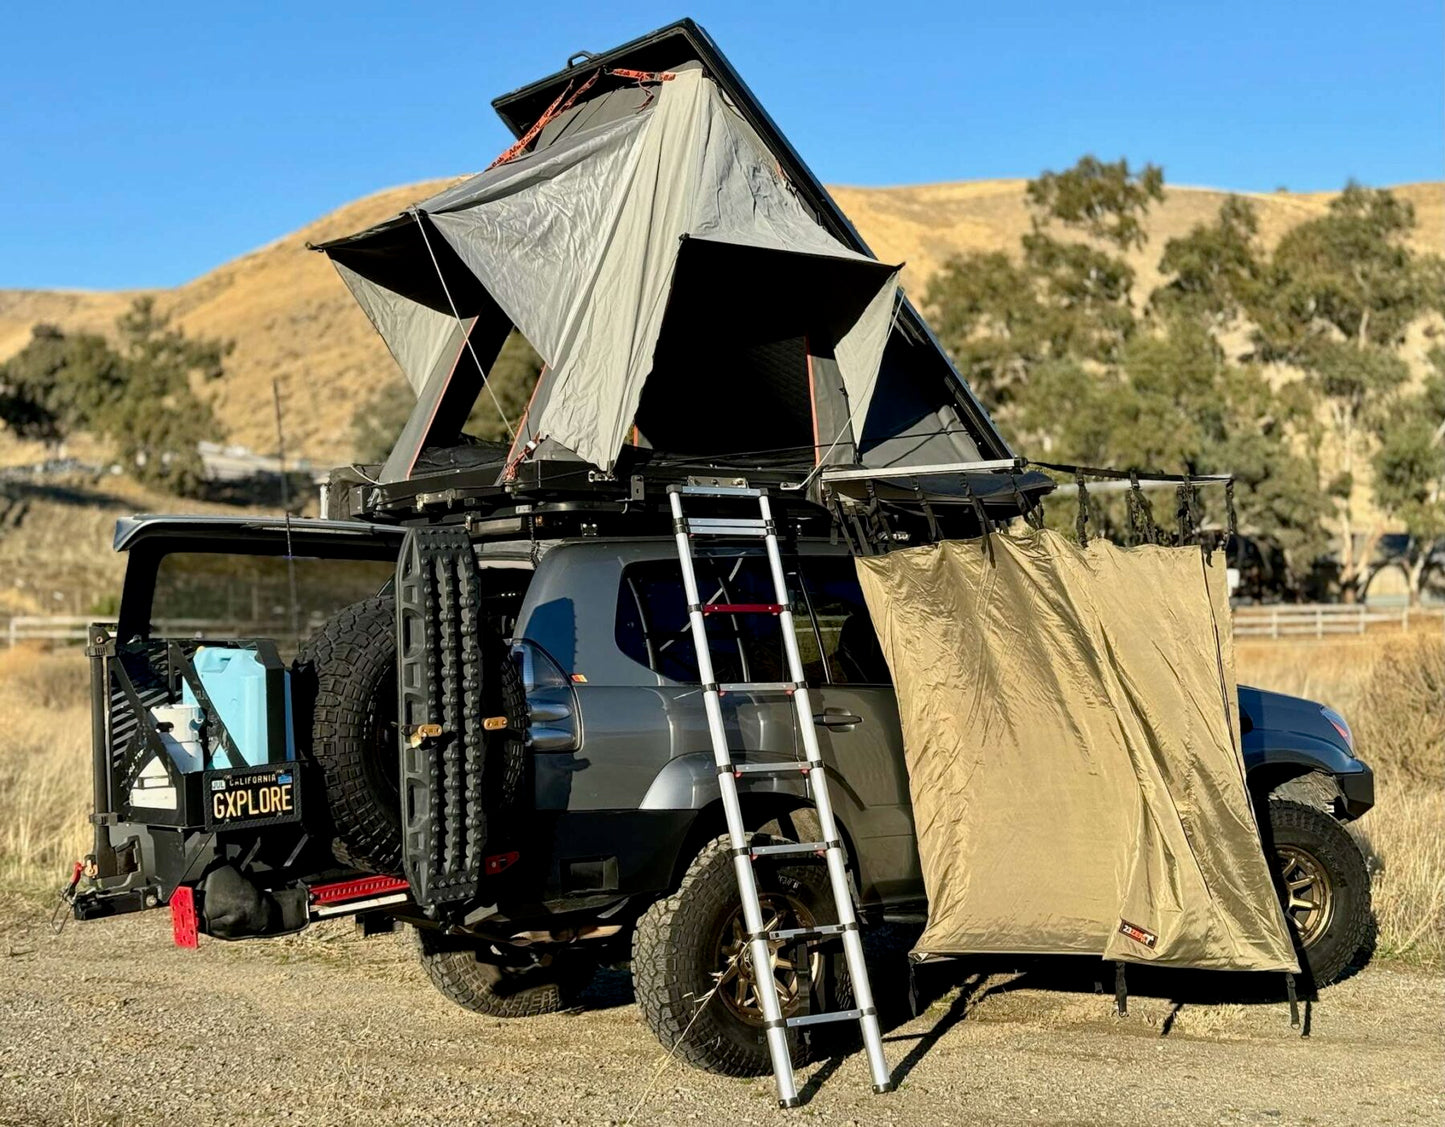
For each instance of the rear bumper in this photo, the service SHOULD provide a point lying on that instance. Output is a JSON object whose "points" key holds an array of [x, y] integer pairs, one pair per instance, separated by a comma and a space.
{"points": [[617, 852]]}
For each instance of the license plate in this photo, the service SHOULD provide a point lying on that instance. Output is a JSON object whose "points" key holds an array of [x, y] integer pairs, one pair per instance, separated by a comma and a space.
{"points": [[254, 796]]}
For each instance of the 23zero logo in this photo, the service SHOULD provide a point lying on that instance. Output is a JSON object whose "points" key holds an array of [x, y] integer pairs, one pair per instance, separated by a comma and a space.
{"points": [[1138, 934]]}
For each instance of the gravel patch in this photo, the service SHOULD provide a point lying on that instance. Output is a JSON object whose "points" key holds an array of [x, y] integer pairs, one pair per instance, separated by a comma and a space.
{"points": [[109, 1024]]}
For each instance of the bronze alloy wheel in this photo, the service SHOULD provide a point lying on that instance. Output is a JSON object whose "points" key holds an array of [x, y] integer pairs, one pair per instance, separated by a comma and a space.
{"points": [[736, 982], [1310, 894]]}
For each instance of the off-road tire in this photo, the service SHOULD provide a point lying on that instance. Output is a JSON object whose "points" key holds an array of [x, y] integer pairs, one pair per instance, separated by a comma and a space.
{"points": [[671, 967], [350, 698], [1345, 935], [498, 991], [351, 665]]}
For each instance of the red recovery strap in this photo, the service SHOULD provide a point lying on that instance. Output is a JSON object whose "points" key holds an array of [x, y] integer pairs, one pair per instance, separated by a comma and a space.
{"points": [[565, 100], [643, 75], [561, 104]]}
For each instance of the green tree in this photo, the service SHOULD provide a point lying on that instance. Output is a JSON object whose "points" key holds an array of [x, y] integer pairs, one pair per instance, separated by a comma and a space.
{"points": [[1337, 297], [1102, 199], [139, 396], [988, 314], [1216, 270], [1409, 469], [376, 422], [1347, 275], [58, 383], [1063, 299], [158, 419]]}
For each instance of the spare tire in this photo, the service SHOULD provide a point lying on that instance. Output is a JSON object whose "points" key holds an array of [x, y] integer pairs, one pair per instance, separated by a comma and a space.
{"points": [[351, 664], [348, 670]]}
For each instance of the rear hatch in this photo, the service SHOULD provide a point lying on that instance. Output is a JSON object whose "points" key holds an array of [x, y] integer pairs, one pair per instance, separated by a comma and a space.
{"points": [[194, 725]]}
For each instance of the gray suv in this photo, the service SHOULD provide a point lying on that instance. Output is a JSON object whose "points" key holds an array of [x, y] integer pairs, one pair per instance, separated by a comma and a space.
{"points": [[605, 839]]}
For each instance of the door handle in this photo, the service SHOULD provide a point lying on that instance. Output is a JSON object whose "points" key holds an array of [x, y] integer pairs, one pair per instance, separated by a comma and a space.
{"points": [[838, 719]]}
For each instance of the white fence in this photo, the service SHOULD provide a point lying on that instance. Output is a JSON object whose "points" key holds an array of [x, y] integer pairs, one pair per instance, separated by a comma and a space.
{"points": [[1285, 620], [1319, 620], [71, 628]]}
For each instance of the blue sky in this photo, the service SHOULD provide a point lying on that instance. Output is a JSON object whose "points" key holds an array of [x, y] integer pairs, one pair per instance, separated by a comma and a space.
{"points": [[141, 145]]}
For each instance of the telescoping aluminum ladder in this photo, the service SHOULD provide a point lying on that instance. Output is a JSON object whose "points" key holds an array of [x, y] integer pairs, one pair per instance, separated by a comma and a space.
{"points": [[744, 853]]}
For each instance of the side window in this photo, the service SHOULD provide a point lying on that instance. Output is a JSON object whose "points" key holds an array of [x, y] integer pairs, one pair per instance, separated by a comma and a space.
{"points": [[652, 624], [845, 630]]}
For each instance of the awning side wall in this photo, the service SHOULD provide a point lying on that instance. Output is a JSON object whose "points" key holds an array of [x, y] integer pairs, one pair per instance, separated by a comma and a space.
{"points": [[1072, 749]]}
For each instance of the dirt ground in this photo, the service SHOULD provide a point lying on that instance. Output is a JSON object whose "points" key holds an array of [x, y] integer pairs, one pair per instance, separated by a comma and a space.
{"points": [[109, 1024]]}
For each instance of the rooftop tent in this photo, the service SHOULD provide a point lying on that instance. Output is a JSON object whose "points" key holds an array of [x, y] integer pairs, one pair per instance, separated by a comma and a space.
{"points": [[650, 250]]}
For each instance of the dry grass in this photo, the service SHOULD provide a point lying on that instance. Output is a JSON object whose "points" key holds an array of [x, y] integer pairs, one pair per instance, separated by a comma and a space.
{"points": [[1390, 688], [44, 766]]}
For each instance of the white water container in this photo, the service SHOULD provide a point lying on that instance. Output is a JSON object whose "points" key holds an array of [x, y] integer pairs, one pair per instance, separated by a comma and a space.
{"points": [[183, 740]]}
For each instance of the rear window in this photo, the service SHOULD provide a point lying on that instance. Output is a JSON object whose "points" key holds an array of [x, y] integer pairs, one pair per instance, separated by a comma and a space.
{"points": [[652, 624], [845, 630], [835, 634], [238, 596]]}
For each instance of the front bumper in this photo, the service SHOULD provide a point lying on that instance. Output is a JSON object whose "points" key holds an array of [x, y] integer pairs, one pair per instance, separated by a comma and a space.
{"points": [[1357, 791]]}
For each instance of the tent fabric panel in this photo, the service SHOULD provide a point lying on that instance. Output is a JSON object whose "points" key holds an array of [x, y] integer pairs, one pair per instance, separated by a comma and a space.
{"points": [[911, 419], [611, 323], [860, 352], [1073, 754], [832, 428], [578, 243], [533, 233], [416, 334], [700, 172]]}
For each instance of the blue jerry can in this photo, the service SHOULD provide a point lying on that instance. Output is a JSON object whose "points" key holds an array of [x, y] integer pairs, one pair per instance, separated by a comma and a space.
{"points": [[239, 686]]}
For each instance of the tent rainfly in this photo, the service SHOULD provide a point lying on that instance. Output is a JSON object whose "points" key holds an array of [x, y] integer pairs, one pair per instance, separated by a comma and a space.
{"points": [[650, 249]]}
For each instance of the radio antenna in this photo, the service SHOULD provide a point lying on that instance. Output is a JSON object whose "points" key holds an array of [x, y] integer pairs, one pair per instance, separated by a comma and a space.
{"points": [[286, 510]]}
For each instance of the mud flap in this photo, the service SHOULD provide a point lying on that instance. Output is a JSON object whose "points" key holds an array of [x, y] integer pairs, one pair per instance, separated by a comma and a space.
{"points": [[440, 712]]}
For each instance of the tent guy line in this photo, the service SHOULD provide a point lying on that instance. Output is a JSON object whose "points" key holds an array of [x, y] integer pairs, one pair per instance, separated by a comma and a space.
{"points": [[466, 334]]}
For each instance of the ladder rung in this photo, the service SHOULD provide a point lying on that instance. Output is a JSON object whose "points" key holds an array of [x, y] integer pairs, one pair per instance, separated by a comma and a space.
{"points": [[728, 526], [809, 932], [714, 491], [819, 1019], [787, 768], [788, 847], [742, 608], [758, 687]]}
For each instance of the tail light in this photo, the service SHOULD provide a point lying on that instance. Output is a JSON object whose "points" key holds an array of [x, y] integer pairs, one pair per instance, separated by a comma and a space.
{"points": [[551, 700]]}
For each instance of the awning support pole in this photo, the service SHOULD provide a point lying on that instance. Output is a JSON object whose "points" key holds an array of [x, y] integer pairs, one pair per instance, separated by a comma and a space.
{"points": [[1121, 991], [1293, 1000]]}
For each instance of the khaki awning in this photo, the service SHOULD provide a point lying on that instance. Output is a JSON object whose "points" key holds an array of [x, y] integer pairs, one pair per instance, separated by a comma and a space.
{"points": [[1071, 727]]}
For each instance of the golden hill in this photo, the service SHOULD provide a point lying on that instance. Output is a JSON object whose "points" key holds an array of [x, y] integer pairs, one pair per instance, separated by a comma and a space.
{"points": [[294, 321]]}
